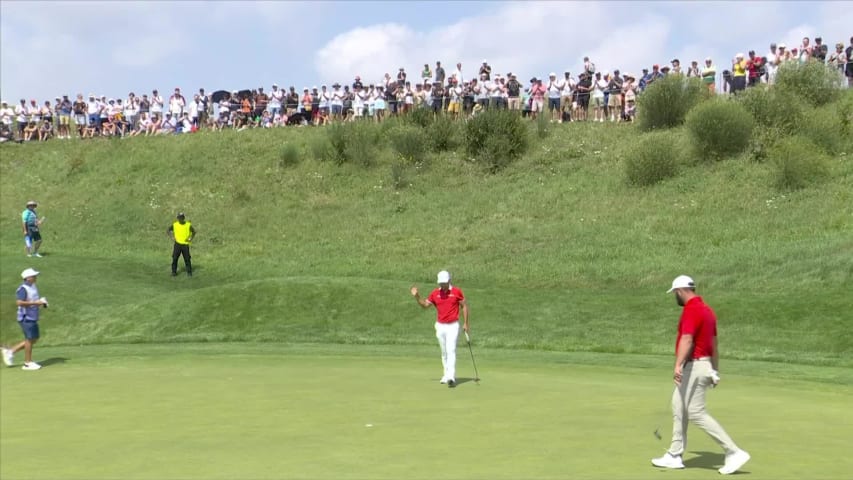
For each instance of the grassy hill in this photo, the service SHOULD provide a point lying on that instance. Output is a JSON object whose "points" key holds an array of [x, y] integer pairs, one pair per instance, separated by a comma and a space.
{"points": [[555, 252]]}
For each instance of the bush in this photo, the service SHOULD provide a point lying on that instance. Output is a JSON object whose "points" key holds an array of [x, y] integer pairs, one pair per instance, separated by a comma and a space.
{"points": [[653, 159], [421, 117], [410, 142], [355, 142], [321, 148], [814, 82], [399, 175], [495, 138], [773, 108], [719, 128], [797, 163], [442, 134], [762, 141], [824, 128], [289, 156], [665, 103]]}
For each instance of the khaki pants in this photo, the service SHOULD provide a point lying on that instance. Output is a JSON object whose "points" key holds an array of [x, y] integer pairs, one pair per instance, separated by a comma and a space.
{"points": [[688, 404]]}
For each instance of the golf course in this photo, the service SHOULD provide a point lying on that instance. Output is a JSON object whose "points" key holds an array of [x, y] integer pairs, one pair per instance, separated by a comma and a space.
{"points": [[296, 351]]}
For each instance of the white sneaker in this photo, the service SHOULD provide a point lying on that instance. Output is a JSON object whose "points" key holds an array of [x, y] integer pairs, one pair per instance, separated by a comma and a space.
{"points": [[668, 461], [8, 357], [31, 366], [443, 380], [734, 462], [37, 254]]}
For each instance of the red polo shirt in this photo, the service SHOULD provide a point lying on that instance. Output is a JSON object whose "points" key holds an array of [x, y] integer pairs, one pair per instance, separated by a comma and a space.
{"points": [[447, 303], [698, 320]]}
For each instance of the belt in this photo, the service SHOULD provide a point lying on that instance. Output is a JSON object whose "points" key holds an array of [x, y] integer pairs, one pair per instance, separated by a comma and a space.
{"points": [[700, 359]]}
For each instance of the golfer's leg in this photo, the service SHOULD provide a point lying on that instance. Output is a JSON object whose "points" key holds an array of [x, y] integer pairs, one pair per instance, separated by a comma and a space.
{"points": [[36, 246], [441, 336], [696, 408], [176, 252], [452, 335], [679, 417], [28, 350]]}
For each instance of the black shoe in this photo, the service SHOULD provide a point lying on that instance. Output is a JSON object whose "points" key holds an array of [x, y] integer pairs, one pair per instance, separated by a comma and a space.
{"points": [[451, 383]]}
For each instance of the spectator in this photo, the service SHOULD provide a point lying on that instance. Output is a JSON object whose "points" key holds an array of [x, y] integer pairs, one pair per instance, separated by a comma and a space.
{"points": [[755, 68], [177, 104], [820, 50], [838, 58], [292, 102], [567, 96], [739, 70], [513, 91], [588, 67], [849, 68], [805, 51], [7, 117], [79, 108], [629, 93], [774, 59], [643, 81], [63, 110], [21, 118], [485, 70], [157, 104], [337, 101], [131, 111], [439, 73], [204, 108], [275, 100], [693, 71], [457, 74], [676, 66], [555, 91], [426, 74], [614, 100], [537, 94], [584, 91], [194, 111]]}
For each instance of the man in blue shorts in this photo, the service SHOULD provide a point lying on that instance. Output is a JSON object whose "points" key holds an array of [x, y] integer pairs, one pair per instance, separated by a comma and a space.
{"points": [[28, 302], [32, 233]]}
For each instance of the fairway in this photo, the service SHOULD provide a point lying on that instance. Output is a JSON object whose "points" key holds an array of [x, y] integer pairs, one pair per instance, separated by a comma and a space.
{"points": [[302, 411]]}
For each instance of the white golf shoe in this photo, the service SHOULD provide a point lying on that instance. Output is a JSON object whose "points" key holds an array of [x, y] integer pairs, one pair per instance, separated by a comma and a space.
{"points": [[734, 462], [8, 357], [443, 380], [668, 461], [31, 366]]}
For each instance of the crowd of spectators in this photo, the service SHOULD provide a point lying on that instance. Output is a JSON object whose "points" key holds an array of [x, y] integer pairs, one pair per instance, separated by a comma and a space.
{"points": [[593, 95]]}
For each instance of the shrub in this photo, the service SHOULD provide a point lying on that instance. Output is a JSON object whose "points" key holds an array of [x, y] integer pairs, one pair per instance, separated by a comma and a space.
{"points": [[719, 128], [421, 117], [774, 108], [665, 103], [410, 142], [543, 126], [495, 138], [289, 156], [762, 141], [653, 159], [797, 163], [321, 149], [355, 142], [824, 128], [442, 134], [816, 83], [399, 175]]}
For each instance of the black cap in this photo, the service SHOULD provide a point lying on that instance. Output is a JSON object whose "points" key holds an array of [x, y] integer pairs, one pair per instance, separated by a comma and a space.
{"points": [[181, 215]]}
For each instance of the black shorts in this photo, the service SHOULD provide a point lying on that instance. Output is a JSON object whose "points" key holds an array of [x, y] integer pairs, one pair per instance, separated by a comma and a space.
{"points": [[34, 235], [583, 101]]}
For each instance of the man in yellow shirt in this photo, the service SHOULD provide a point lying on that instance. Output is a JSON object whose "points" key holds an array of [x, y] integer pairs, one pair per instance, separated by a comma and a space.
{"points": [[182, 232]]}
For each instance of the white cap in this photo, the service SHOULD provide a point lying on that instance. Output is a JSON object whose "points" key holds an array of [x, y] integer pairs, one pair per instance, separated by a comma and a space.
{"points": [[739, 55], [682, 281], [552, 74], [29, 273], [444, 276], [781, 45]]}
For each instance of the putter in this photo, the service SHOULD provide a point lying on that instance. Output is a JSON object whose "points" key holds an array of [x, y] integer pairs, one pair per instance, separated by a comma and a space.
{"points": [[476, 373]]}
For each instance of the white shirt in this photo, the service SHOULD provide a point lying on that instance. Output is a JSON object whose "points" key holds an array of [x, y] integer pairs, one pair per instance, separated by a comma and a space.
{"points": [[275, 98], [130, 108], [458, 74], [21, 113], [599, 88], [156, 104], [193, 109], [337, 98], [93, 107], [6, 115], [177, 104], [555, 88]]}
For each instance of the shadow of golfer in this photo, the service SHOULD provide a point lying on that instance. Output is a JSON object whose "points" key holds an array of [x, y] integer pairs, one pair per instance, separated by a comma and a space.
{"points": [[53, 361], [706, 460], [460, 381]]}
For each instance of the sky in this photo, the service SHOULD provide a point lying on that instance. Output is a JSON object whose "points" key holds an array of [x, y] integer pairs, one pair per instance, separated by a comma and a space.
{"points": [[110, 48]]}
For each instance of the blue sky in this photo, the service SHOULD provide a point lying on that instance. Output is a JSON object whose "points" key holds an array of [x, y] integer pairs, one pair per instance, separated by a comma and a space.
{"points": [[112, 48]]}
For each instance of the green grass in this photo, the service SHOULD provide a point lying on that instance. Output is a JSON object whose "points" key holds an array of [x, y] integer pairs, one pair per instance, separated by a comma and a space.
{"points": [[298, 330], [302, 411], [555, 252]]}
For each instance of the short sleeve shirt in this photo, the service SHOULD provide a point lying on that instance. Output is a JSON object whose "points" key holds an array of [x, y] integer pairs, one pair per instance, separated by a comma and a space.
{"points": [[447, 303], [698, 320]]}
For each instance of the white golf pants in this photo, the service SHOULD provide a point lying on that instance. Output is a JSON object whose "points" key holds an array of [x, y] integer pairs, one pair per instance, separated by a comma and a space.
{"points": [[447, 333]]}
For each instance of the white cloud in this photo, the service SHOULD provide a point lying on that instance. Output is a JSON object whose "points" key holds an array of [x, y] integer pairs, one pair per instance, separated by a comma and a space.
{"points": [[531, 38]]}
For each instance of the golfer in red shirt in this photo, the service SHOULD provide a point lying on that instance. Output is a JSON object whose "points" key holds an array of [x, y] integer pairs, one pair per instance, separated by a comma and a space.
{"points": [[696, 364], [446, 299]]}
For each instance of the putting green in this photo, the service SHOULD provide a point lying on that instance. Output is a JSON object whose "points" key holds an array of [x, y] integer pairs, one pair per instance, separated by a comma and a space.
{"points": [[279, 411]]}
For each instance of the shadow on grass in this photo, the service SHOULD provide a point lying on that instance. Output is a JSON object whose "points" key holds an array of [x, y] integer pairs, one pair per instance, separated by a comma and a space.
{"points": [[53, 361], [460, 381], [708, 461]]}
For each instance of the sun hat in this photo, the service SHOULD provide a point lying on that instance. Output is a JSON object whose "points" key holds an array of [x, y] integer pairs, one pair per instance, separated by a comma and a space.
{"points": [[444, 276], [33, 203], [682, 281], [29, 273]]}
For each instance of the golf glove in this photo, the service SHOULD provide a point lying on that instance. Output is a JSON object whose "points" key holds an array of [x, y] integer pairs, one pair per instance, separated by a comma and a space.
{"points": [[44, 301], [715, 378]]}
